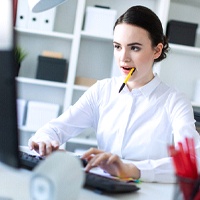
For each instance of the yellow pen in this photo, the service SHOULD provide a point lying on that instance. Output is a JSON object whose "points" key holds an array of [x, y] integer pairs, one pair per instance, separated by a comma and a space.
{"points": [[127, 78]]}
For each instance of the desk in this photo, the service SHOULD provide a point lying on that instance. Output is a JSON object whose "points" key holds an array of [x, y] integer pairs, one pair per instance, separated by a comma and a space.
{"points": [[15, 185], [17, 188], [148, 191]]}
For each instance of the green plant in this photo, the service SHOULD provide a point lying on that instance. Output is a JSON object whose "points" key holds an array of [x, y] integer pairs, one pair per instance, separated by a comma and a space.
{"points": [[20, 54]]}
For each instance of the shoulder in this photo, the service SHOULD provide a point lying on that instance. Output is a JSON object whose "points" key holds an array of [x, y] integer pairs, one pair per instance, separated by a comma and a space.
{"points": [[107, 84], [177, 100]]}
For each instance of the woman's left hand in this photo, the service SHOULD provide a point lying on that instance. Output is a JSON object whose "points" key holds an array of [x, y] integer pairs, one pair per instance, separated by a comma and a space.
{"points": [[110, 163]]}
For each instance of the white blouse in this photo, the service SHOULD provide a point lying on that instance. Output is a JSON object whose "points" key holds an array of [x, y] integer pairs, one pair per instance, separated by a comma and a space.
{"points": [[138, 125]]}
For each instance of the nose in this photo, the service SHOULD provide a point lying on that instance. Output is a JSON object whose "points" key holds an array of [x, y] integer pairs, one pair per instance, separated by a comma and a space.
{"points": [[125, 56]]}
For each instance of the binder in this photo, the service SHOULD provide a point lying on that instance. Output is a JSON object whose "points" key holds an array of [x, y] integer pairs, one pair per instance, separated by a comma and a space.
{"points": [[43, 21], [27, 19], [47, 20], [34, 21], [22, 15]]}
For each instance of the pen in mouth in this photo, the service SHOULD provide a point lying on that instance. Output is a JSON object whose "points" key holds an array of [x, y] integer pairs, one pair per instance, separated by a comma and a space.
{"points": [[127, 78]]}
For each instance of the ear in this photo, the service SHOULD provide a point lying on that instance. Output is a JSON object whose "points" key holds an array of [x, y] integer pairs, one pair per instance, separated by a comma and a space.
{"points": [[158, 50]]}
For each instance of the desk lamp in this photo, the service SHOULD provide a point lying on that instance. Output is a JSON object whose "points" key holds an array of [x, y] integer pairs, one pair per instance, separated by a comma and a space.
{"points": [[43, 5]]}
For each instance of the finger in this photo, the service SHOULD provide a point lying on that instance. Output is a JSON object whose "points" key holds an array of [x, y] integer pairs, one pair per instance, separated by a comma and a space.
{"points": [[97, 160], [33, 145], [91, 151], [113, 158], [55, 144], [42, 148], [90, 164], [48, 148]]}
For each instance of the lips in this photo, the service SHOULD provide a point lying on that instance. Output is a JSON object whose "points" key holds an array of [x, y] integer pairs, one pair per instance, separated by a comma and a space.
{"points": [[126, 69]]}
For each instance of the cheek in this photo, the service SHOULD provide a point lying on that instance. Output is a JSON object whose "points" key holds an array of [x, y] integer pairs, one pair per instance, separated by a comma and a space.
{"points": [[117, 56], [145, 58]]}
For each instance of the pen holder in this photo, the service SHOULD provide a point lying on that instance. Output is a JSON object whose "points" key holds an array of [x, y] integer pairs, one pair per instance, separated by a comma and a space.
{"points": [[188, 188]]}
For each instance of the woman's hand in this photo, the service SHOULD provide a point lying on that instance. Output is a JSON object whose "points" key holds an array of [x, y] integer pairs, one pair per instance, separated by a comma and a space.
{"points": [[110, 163], [43, 148]]}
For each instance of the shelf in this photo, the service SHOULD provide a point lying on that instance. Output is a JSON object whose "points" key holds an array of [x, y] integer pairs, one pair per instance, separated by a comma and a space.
{"points": [[88, 141], [191, 2], [80, 87], [182, 49], [195, 104], [26, 129], [48, 34], [96, 37], [41, 82]]}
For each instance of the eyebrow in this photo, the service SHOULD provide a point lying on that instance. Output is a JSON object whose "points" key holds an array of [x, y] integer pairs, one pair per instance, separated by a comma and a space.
{"points": [[131, 44]]}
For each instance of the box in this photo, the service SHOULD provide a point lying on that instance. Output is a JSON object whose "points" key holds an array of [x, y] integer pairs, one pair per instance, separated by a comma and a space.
{"points": [[39, 113], [21, 111], [84, 81], [179, 32], [52, 69], [99, 21]]}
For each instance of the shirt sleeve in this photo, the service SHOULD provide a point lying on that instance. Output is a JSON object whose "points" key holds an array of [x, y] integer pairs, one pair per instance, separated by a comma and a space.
{"points": [[183, 124], [155, 170], [73, 121]]}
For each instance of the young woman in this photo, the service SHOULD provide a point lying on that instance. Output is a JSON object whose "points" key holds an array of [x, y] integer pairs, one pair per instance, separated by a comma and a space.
{"points": [[133, 127]]}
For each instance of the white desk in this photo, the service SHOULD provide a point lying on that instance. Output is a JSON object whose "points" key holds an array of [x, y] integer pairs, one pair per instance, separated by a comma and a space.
{"points": [[15, 185], [148, 191], [16, 190]]}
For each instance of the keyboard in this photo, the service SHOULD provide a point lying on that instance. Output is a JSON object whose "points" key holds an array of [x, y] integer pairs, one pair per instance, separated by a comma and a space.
{"points": [[92, 180], [29, 161], [108, 185]]}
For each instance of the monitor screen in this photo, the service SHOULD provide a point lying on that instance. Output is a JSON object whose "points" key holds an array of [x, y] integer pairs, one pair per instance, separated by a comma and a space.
{"points": [[8, 111]]}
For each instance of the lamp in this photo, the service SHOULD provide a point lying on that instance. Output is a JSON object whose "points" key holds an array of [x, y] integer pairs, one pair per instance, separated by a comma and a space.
{"points": [[42, 5]]}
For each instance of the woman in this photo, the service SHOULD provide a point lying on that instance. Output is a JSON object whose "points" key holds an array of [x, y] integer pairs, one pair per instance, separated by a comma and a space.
{"points": [[133, 127]]}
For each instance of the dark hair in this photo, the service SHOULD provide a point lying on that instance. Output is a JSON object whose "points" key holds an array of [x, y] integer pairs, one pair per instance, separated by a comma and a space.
{"points": [[145, 18]]}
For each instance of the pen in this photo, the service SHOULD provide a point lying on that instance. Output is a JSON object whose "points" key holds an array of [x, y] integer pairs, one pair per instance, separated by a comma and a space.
{"points": [[127, 78]]}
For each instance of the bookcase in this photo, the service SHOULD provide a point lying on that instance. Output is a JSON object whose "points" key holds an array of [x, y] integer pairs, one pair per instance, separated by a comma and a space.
{"points": [[90, 56]]}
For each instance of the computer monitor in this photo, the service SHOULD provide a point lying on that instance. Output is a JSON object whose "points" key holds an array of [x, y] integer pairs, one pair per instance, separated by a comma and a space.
{"points": [[8, 111]]}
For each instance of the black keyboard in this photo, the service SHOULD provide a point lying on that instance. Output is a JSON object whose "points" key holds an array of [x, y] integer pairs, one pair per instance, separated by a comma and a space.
{"points": [[29, 161], [108, 185], [93, 181]]}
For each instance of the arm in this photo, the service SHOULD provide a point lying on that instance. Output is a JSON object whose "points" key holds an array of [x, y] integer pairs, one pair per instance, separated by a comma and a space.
{"points": [[71, 123]]}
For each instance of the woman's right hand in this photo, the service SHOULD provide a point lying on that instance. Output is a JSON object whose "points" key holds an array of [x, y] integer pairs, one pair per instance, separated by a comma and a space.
{"points": [[44, 148]]}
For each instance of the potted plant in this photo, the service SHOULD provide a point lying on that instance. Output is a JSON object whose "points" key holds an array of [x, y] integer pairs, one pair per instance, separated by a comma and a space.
{"points": [[20, 54]]}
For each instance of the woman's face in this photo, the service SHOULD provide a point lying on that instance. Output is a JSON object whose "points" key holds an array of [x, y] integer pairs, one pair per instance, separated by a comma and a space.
{"points": [[133, 48]]}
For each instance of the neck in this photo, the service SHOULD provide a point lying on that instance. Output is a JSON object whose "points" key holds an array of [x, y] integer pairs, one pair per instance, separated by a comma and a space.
{"points": [[134, 84]]}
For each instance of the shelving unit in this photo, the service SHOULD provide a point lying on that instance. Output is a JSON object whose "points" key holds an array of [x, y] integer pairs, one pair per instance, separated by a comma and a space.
{"points": [[91, 55]]}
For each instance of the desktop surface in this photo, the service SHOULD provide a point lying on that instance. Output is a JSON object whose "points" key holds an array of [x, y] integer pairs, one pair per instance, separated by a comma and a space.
{"points": [[148, 191], [14, 184], [16, 187]]}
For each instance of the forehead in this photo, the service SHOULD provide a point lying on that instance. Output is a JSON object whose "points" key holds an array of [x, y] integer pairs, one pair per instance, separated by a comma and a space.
{"points": [[127, 33]]}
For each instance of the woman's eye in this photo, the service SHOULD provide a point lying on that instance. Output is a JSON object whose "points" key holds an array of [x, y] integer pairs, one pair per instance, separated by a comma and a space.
{"points": [[116, 46], [135, 48]]}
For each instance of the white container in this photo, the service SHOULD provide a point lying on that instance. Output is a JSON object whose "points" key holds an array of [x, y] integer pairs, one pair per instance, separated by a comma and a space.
{"points": [[99, 21], [39, 113], [21, 110], [196, 97]]}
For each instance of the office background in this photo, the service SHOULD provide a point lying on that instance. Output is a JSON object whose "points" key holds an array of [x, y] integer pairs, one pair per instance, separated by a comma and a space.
{"points": [[79, 35]]}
